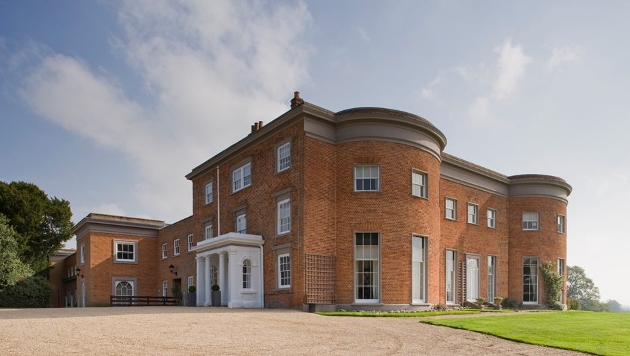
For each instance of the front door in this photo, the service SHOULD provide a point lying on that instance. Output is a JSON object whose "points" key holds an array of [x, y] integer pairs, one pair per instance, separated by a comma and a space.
{"points": [[472, 278]]}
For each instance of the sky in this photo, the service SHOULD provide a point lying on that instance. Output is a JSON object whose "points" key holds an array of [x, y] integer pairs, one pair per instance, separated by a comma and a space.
{"points": [[109, 104]]}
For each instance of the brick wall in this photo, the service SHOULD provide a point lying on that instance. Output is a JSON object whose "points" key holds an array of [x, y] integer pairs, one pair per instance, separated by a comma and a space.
{"points": [[546, 243]]}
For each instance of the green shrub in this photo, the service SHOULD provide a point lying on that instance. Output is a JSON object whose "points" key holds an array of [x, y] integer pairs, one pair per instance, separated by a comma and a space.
{"points": [[192, 289], [509, 303], [32, 292], [573, 304]]}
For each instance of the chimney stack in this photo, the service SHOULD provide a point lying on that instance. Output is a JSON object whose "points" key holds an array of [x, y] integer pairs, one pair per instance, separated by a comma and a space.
{"points": [[296, 101]]}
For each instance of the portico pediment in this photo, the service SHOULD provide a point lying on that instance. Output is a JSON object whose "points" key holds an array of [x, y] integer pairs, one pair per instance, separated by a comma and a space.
{"points": [[229, 239]]}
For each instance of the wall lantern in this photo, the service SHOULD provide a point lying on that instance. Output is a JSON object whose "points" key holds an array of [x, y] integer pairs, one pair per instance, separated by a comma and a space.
{"points": [[172, 269]]}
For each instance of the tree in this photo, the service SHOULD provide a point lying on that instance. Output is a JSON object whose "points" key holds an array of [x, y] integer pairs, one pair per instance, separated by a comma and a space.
{"points": [[12, 269], [582, 288], [614, 306], [41, 223], [18, 287]]}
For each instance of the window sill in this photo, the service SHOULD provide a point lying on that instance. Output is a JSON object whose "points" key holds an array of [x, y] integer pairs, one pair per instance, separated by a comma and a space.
{"points": [[376, 304], [248, 291]]}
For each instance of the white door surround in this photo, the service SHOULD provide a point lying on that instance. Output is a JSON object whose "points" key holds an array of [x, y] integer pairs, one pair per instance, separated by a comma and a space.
{"points": [[228, 253]]}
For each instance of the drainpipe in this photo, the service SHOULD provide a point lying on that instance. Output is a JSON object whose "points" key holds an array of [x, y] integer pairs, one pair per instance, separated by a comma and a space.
{"points": [[218, 205], [262, 280]]}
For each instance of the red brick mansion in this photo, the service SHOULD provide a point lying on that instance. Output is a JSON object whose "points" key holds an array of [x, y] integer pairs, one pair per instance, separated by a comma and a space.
{"points": [[358, 209]]}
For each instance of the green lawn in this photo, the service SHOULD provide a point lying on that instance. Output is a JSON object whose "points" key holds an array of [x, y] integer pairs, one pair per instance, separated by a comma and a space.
{"points": [[399, 314], [596, 333]]}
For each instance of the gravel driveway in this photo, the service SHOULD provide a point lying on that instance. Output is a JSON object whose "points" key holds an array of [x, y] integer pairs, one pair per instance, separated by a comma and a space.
{"points": [[222, 331]]}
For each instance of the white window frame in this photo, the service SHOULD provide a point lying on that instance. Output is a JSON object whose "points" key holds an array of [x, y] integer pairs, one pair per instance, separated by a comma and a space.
{"points": [[247, 274], [418, 268], [473, 213], [241, 177], [284, 216], [176, 247], [117, 281], [83, 254], [367, 283], [164, 251], [126, 243], [451, 276], [531, 262], [491, 278], [491, 215], [419, 183], [190, 242], [561, 265], [452, 209], [165, 288], [560, 222], [190, 281], [529, 223], [283, 157], [284, 271], [208, 193], [360, 176], [208, 230], [241, 223]]}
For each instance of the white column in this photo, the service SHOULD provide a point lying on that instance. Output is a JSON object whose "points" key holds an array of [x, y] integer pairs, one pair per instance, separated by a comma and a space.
{"points": [[222, 267], [233, 273], [208, 301], [200, 281]]}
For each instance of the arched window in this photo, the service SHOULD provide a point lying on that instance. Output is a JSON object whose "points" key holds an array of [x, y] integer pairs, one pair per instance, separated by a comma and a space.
{"points": [[124, 288], [247, 274]]}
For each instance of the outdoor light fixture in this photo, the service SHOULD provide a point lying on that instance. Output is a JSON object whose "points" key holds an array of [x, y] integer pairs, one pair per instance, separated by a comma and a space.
{"points": [[172, 269]]}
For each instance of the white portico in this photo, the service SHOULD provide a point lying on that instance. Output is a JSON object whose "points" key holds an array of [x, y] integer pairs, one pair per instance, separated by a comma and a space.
{"points": [[234, 262]]}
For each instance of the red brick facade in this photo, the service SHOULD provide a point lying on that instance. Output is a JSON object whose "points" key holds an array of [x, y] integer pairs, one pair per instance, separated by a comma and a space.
{"points": [[328, 214]]}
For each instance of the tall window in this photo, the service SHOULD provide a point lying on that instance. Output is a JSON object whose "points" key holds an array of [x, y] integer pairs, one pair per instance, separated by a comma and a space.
{"points": [[165, 288], [242, 177], [492, 278], [284, 271], [209, 193], [176, 247], [367, 263], [247, 275], [450, 276], [530, 221], [418, 269], [530, 280], [125, 251], [560, 224], [284, 157], [492, 218], [451, 208], [284, 216], [191, 281], [207, 230], [473, 214], [241, 224], [190, 242], [124, 288], [164, 251], [561, 273], [82, 253], [366, 178], [418, 184]]}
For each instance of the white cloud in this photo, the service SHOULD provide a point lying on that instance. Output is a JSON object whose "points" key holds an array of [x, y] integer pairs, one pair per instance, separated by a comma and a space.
{"points": [[109, 208], [511, 68], [564, 54], [363, 34], [210, 68], [479, 111]]}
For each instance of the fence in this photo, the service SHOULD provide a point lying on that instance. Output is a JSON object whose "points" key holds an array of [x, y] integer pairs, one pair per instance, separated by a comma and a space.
{"points": [[134, 300]]}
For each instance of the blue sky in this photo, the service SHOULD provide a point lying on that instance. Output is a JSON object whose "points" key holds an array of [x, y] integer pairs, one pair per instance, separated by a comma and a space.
{"points": [[108, 104]]}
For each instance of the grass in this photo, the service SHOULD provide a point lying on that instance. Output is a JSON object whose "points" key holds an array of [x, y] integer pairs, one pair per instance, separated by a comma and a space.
{"points": [[399, 314], [595, 333]]}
